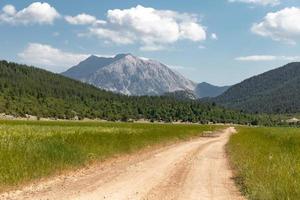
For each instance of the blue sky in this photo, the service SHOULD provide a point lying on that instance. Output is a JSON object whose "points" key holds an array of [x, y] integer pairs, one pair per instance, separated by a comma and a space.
{"points": [[218, 41]]}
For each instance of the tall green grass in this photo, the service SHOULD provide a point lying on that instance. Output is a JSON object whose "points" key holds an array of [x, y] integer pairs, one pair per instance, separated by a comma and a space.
{"points": [[31, 150], [267, 162]]}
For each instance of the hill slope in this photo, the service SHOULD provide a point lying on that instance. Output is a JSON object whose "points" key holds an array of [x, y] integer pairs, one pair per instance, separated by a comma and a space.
{"points": [[207, 90], [182, 95], [130, 75], [276, 91], [28, 90]]}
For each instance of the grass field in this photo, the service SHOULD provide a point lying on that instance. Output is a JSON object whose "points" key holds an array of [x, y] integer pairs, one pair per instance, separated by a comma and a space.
{"points": [[30, 149], [267, 162]]}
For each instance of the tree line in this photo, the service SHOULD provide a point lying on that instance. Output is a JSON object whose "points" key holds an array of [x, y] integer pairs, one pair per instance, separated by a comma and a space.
{"points": [[26, 90]]}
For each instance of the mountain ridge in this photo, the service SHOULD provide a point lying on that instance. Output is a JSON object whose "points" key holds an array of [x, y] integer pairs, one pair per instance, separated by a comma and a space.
{"points": [[205, 89], [275, 91], [132, 75]]}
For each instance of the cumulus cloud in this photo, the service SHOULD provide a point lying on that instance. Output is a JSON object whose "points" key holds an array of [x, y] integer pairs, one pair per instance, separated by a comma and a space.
{"points": [[49, 58], [257, 58], [9, 10], [283, 25], [36, 13], [152, 29], [259, 2], [83, 19]]}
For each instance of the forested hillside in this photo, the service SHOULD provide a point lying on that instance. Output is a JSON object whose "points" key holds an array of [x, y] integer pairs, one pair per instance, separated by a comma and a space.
{"points": [[28, 90], [207, 90], [276, 91]]}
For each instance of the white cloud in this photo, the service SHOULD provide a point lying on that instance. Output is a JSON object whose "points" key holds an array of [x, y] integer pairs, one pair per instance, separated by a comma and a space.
{"points": [[114, 35], [191, 30], [180, 68], [257, 58], [9, 10], [259, 2], [49, 58], [36, 13], [150, 28], [83, 19], [283, 25], [214, 36]]}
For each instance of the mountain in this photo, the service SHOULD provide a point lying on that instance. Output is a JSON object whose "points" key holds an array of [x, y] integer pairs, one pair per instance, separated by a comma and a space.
{"points": [[31, 91], [207, 90], [130, 75], [89, 66], [275, 91]]}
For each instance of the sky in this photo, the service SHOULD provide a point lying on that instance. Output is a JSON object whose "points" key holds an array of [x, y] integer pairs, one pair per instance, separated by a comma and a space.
{"points": [[218, 41]]}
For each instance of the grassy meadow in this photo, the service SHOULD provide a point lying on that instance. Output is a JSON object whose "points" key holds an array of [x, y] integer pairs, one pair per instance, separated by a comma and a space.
{"points": [[267, 162], [33, 149]]}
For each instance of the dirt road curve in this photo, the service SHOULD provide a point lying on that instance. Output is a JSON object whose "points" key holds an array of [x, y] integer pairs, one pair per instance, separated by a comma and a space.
{"points": [[196, 169]]}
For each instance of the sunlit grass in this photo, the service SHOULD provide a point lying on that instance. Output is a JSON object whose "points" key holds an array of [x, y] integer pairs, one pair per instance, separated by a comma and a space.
{"points": [[267, 162], [31, 150]]}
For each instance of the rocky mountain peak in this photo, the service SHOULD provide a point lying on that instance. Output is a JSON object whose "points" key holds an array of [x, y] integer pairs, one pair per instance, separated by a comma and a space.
{"points": [[124, 55], [129, 74], [132, 75]]}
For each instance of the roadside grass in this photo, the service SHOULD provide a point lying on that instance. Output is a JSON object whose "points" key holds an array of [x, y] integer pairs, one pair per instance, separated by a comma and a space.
{"points": [[267, 162], [31, 150]]}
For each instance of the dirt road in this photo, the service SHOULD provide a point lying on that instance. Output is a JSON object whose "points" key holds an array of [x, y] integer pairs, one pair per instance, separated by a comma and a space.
{"points": [[195, 169]]}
